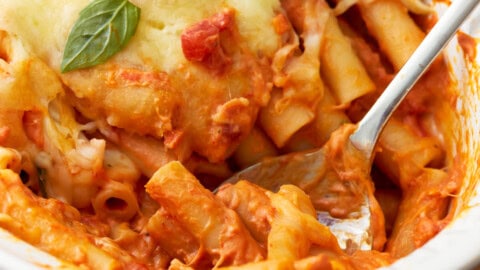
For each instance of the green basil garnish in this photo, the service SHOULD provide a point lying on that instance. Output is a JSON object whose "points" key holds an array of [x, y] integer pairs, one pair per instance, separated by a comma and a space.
{"points": [[103, 28]]}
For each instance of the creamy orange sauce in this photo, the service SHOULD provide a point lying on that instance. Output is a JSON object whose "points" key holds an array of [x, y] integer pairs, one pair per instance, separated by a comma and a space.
{"points": [[468, 45]]}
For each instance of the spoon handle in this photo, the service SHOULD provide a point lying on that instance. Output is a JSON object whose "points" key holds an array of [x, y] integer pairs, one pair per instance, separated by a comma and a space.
{"points": [[369, 128]]}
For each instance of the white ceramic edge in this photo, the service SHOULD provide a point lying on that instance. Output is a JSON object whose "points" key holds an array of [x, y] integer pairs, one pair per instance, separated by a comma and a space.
{"points": [[456, 247], [17, 254], [448, 250]]}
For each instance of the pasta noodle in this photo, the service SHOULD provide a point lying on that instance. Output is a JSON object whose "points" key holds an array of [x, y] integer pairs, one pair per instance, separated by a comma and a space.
{"points": [[60, 240], [281, 123], [398, 142], [341, 67], [254, 148], [216, 227], [117, 200], [300, 80], [329, 117], [184, 247], [252, 205], [118, 165], [384, 15]]}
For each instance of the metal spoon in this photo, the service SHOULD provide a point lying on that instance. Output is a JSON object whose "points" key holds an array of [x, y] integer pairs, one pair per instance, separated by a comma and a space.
{"points": [[312, 171]]}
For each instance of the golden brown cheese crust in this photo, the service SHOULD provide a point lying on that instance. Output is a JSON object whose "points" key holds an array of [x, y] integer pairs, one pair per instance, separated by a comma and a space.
{"points": [[153, 87]]}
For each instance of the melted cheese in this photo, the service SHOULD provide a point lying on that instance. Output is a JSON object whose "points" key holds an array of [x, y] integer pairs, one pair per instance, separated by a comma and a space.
{"points": [[45, 26], [150, 88]]}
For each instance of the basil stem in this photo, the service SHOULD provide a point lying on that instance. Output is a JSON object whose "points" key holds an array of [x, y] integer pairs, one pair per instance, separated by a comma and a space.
{"points": [[103, 28]]}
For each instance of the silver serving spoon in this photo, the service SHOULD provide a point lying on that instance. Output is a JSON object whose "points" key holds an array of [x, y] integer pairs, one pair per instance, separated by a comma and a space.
{"points": [[314, 171]]}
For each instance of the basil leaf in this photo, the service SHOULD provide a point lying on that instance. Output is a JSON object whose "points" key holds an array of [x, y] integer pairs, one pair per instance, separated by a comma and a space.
{"points": [[103, 28]]}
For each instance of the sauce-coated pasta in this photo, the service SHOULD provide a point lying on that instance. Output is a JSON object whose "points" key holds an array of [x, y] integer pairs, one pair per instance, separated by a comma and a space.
{"points": [[114, 166]]}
